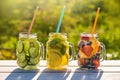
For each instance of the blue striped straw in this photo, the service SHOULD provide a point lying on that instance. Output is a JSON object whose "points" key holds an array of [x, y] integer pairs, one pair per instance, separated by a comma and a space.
{"points": [[60, 21]]}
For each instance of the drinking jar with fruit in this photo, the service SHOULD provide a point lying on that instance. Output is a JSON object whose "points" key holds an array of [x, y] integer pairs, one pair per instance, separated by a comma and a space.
{"points": [[28, 51], [91, 51]]}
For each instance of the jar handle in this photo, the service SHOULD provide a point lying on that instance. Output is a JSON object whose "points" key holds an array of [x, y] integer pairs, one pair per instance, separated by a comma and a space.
{"points": [[103, 51], [41, 50], [71, 51]]}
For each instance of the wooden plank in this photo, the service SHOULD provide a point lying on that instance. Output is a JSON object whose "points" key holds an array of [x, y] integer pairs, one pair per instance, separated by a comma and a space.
{"points": [[72, 69], [114, 63], [7, 63], [106, 63], [109, 70]]}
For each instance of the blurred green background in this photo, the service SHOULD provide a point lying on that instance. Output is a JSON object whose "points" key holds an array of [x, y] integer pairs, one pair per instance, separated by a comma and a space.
{"points": [[16, 16]]}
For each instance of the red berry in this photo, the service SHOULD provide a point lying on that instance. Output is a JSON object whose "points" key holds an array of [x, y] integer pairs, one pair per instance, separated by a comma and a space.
{"points": [[82, 61]]}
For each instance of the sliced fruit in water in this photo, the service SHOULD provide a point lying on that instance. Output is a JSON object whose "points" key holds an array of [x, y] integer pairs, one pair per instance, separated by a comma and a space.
{"points": [[37, 46], [19, 46], [26, 45], [64, 60], [35, 60], [57, 51], [54, 58], [33, 52], [87, 50], [22, 64], [35, 43], [95, 45], [21, 57]]}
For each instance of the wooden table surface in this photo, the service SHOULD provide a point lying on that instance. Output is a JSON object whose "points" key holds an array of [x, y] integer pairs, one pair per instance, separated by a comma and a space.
{"points": [[109, 70]]}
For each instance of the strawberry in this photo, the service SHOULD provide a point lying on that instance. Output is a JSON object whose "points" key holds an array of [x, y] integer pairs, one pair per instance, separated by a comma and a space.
{"points": [[87, 50]]}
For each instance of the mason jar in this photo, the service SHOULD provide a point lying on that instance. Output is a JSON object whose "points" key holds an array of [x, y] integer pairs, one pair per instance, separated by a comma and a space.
{"points": [[28, 51], [58, 51], [91, 51]]}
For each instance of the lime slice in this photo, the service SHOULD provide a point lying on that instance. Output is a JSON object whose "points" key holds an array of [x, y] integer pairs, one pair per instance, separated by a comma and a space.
{"points": [[33, 52], [54, 58], [35, 60], [19, 46], [22, 64], [21, 57]]}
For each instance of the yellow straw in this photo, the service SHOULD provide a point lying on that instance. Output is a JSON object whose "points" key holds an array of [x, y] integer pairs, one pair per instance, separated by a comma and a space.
{"points": [[30, 27], [96, 18]]}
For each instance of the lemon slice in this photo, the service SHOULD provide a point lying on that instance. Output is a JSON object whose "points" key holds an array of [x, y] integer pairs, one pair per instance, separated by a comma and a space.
{"points": [[64, 60], [54, 58], [95, 45]]}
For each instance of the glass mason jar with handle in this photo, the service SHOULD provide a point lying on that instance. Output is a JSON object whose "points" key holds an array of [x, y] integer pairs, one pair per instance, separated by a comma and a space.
{"points": [[91, 51], [28, 51], [58, 51]]}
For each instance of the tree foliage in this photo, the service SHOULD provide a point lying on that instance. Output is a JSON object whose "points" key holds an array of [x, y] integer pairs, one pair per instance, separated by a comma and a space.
{"points": [[16, 16]]}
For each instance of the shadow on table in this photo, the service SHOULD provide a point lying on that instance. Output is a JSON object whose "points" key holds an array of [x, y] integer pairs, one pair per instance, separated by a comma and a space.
{"points": [[87, 74], [19, 74], [47, 74]]}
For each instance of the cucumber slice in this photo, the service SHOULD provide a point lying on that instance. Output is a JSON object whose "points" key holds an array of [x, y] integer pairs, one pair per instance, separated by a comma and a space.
{"points": [[35, 60], [19, 46], [21, 57], [37, 46], [33, 52], [22, 64], [26, 46]]}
